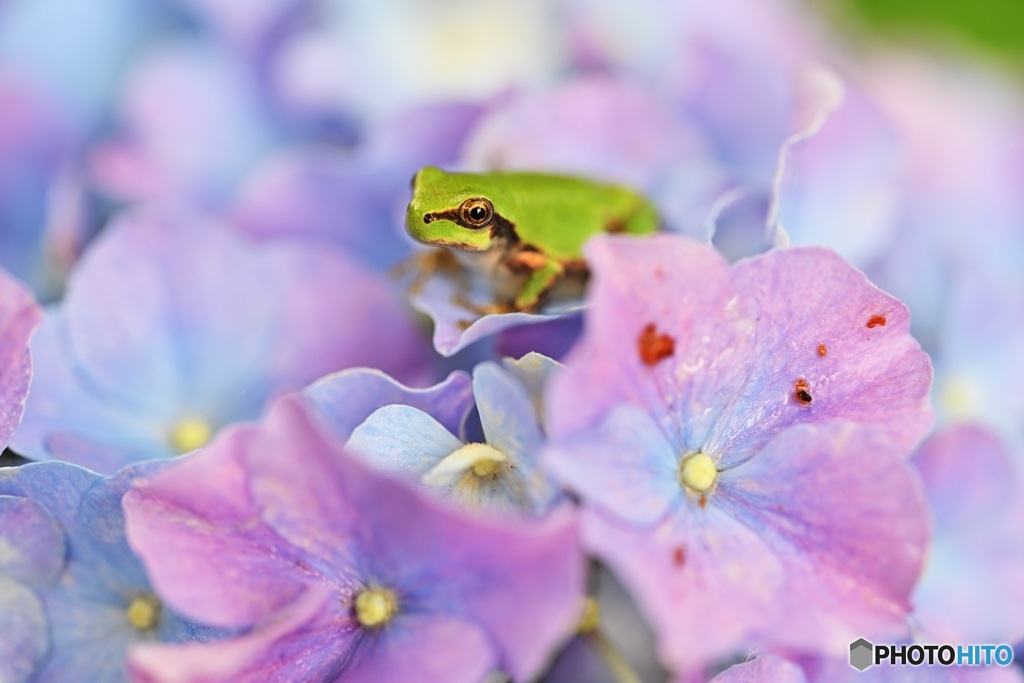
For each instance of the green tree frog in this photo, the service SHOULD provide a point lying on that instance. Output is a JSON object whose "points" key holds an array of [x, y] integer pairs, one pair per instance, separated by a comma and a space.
{"points": [[529, 228]]}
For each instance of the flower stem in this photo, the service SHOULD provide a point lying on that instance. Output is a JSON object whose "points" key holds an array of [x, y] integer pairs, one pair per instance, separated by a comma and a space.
{"points": [[617, 664]]}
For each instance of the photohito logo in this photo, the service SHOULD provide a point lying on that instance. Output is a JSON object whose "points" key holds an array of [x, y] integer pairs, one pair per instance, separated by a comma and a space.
{"points": [[864, 654]]}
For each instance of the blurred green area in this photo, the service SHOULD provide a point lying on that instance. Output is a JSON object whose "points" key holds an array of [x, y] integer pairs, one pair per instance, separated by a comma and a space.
{"points": [[993, 27]]}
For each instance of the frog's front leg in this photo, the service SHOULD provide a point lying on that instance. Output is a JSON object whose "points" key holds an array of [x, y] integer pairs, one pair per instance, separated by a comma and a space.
{"points": [[544, 275]]}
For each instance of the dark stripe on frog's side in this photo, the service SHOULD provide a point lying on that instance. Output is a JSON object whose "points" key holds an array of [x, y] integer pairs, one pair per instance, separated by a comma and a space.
{"points": [[500, 227]]}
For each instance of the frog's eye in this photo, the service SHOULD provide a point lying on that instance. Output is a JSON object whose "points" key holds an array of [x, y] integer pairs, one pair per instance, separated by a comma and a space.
{"points": [[476, 213]]}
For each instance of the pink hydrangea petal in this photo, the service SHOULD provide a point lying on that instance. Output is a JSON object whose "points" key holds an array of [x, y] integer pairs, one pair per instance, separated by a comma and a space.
{"points": [[733, 349], [848, 520], [443, 550], [427, 649], [19, 316], [706, 589], [197, 530], [785, 550]]}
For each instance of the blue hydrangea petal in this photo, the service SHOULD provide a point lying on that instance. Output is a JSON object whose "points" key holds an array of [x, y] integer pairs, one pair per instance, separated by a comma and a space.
{"points": [[23, 637], [67, 415], [625, 465], [403, 439], [60, 485], [345, 399], [533, 371], [32, 547], [511, 424]]}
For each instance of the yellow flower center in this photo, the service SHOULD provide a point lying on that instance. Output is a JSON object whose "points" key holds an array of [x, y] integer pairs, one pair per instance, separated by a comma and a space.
{"points": [[698, 473], [144, 613], [480, 459], [591, 618], [191, 433], [375, 606]]}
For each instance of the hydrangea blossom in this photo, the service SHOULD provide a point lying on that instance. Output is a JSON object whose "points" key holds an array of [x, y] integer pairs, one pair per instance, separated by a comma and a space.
{"points": [[415, 433], [74, 597], [174, 327], [740, 449], [340, 573]]}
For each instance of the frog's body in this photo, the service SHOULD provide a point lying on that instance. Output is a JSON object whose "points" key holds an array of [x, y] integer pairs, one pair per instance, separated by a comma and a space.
{"points": [[532, 223]]}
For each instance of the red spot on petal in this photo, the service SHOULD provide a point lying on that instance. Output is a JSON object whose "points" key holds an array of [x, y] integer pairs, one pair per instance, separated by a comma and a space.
{"points": [[679, 556], [702, 501], [654, 346], [801, 393], [876, 320], [822, 350]]}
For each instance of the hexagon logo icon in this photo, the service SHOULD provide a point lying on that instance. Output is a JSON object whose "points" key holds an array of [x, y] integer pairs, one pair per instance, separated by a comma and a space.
{"points": [[861, 654]]}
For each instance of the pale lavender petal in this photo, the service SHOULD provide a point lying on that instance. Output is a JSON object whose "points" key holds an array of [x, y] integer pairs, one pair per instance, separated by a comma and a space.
{"points": [[625, 466], [402, 440], [600, 126], [837, 184], [533, 371], [32, 547], [345, 399], [456, 327], [23, 635], [73, 420], [974, 484], [197, 154]]}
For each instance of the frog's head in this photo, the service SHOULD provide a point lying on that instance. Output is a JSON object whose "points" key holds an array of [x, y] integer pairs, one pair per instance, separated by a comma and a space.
{"points": [[454, 210]]}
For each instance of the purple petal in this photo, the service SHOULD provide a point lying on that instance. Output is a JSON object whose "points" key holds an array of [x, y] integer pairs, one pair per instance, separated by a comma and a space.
{"points": [[815, 542], [288, 646], [481, 570], [718, 368], [848, 520], [193, 527], [424, 648], [345, 399], [19, 316], [456, 327], [714, 583]]}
